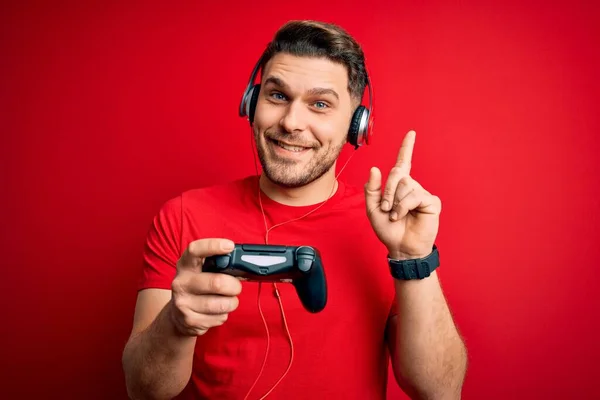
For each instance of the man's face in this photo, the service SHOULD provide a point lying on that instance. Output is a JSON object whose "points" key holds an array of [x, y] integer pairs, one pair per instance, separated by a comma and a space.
{"points": [[302, 118]]}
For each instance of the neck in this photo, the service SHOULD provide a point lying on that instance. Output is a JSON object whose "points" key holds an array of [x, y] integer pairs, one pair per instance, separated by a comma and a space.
{"points": [[315, 192]]}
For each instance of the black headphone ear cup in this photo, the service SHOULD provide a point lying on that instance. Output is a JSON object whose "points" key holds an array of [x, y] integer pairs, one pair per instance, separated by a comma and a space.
{"points": [[357, 128], [254, 92]]}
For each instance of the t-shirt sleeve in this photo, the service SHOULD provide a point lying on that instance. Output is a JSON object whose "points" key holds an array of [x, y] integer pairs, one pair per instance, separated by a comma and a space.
{"points": [[162, 247]]}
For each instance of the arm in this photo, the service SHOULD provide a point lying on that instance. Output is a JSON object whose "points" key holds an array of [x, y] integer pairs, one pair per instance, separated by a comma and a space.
{"points": [[428, 355], [157, 359]]}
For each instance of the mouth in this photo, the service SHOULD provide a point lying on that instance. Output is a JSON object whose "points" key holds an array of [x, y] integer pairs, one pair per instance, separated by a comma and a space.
{"points": [[288, 147]]}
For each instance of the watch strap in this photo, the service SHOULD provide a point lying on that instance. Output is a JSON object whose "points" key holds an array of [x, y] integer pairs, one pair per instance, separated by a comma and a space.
{"points": [[418, 268]]}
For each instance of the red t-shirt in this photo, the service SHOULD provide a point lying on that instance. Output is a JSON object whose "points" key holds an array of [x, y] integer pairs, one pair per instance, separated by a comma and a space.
{"points": [[339, 352]]}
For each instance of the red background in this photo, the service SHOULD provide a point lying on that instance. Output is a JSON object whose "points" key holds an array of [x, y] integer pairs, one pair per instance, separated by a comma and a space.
{"points": [[108, 110]]}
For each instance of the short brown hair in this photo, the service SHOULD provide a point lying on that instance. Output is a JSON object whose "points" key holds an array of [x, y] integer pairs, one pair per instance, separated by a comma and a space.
{"points": [[319, 39]]}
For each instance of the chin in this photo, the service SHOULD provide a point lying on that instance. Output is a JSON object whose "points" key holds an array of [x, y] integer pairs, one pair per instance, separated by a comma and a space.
{"points": [[288, 176]]}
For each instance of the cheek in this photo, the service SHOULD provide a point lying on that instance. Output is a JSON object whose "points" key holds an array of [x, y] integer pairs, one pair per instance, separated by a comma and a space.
{"points": [[265, 116], [331, 132]]}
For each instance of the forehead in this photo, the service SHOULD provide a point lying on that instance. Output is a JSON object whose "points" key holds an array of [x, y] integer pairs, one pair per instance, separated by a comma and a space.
{"points": [[305, 73]]}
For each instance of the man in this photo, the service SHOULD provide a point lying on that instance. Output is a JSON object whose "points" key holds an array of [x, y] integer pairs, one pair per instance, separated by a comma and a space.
{"points": [[208, 335]]}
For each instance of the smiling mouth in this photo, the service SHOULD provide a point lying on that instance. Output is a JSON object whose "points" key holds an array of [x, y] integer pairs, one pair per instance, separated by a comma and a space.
{"points": [[289, 147]]}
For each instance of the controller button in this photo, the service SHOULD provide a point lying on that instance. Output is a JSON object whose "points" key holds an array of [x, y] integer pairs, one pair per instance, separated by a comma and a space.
{"points": [[305, 250], [222, 262], [304, 264]]}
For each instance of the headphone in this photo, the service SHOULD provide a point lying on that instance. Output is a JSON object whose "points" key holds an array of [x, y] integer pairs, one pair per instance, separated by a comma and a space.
{"points": [[361, 125]]}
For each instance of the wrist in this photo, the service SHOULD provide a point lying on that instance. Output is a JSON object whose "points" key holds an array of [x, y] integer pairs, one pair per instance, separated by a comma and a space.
{"points": [[172, 320], [399, 255], [405, 266]]}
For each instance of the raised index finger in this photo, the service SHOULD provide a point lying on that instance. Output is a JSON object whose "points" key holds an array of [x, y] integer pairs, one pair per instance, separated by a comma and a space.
{"points": [[406, 150]]}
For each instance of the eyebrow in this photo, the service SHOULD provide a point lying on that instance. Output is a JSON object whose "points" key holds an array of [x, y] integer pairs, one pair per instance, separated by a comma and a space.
{"points": [[314, 91]]}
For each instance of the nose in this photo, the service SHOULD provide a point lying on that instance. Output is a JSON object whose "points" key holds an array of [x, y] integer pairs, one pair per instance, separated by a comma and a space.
{"points": [[294, 119]]}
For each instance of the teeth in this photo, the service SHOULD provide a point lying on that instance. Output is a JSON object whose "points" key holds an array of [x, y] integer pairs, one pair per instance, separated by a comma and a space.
{"points": [[290, 148]]}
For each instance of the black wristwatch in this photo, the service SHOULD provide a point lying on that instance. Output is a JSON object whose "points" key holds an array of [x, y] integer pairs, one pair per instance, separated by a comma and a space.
{"points": [[418, 268]]}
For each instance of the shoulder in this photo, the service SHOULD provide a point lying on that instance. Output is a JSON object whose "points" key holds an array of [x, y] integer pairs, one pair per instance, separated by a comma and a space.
{"points": [[207, 197], [218, 194]]}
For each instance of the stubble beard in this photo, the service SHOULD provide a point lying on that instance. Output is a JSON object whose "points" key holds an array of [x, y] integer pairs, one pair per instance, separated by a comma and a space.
{"points": [[291, 174]]}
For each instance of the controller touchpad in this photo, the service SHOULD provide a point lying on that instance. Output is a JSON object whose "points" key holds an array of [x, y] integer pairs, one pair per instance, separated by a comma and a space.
{"points": [[263, 261]]}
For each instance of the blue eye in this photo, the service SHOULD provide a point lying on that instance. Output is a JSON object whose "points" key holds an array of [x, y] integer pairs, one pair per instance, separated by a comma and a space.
{"points": [[321, 104], [278, 96]]}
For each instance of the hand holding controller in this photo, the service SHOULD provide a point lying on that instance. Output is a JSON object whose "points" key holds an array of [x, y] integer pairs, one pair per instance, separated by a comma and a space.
{"points": [[300, 265]]}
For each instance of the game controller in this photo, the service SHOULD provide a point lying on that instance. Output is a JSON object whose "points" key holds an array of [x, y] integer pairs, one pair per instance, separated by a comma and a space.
{"points": [[299, 265]]}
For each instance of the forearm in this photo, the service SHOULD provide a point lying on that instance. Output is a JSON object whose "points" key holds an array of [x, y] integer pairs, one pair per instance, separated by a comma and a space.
{"points": [[429, 356], [158, 361]]}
